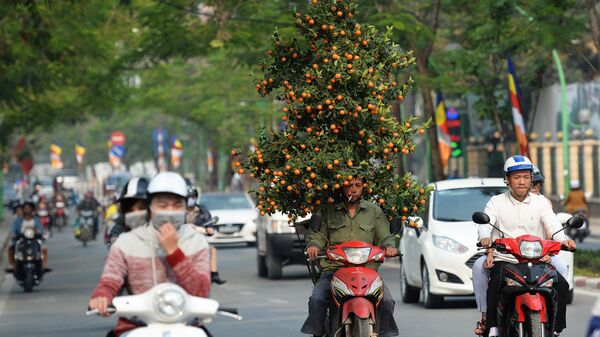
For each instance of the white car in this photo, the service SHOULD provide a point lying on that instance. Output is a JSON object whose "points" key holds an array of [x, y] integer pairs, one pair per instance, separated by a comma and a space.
{"points": [[437, 259], [237, 217]]}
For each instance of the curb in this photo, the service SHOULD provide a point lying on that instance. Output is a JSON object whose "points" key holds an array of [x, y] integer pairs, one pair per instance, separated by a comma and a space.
{"points": [[587, 282]]}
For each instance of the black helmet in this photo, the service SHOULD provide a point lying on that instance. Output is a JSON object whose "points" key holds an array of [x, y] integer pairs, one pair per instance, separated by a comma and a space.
{"points": [[135, 188], [538, 177], [192, 190]]}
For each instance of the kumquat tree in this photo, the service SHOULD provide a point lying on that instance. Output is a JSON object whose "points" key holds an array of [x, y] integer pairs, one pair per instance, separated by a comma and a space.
{"points": [[337, 78]]}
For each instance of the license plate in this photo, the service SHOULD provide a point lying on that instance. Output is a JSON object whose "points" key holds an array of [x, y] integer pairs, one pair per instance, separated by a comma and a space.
{"points": [[228, 229]]}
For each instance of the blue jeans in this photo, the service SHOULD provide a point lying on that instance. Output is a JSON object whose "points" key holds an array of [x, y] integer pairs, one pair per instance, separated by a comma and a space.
{"points": [[319, 303]]}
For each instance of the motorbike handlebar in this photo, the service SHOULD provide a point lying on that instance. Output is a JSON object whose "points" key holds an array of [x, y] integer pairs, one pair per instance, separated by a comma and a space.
{"points": [[111, 310]]}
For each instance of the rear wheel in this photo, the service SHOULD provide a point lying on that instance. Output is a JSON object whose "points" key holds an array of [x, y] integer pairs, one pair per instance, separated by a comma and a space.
{"points": [[359, 327], [261, 265], [273, 267], [537, 327], [430, 300], [408, 293], [571, 296]]}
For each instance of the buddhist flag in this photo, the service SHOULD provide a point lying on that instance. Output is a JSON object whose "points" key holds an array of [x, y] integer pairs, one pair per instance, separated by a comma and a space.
{"points": [[79, 153], [176, 152], [55, 160], [517, 112], [444, 143]]}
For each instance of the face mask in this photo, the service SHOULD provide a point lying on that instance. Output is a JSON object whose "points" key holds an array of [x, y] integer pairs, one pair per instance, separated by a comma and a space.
{"points": [[176, 218], [135, 219]]}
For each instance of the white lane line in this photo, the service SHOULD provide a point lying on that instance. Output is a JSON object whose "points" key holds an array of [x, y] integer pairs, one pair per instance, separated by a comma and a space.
{"points": [[587, 292], [5, 290], [277, 301]]}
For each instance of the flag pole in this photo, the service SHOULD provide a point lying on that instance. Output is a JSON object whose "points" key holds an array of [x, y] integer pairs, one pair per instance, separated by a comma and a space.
{"points": [[565, 119]]}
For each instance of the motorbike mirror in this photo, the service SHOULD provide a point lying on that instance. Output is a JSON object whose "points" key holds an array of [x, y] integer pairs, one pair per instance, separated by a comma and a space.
{"points": [[415, 222], [575, 222], [396, 225], [316, 222], [563, 218], [481, 218]]}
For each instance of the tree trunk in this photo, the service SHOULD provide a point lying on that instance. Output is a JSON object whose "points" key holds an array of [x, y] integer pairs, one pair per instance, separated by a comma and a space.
{"points": [[595, 27]]}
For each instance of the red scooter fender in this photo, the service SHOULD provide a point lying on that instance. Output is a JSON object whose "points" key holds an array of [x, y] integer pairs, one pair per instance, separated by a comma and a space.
{"points": [[535, 302], [360, 307]]}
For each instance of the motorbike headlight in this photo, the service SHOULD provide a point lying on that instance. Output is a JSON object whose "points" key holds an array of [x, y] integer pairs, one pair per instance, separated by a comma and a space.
{"points": [[339, 288], [547, 284], [377, 257], [512, 283], [29, 233], [357, 255], [282, 226], [449, 245], [169, 304], [530, 249]]}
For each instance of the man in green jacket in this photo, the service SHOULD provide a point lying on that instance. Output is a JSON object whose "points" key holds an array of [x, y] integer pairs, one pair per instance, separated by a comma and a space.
{"points": [[349, 219]]}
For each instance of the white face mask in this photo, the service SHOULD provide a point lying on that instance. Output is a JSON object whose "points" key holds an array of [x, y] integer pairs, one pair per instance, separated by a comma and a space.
{"points": [[176, 218], [135, 219]]}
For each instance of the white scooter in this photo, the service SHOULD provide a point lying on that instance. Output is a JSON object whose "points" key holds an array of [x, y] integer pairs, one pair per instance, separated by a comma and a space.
{"points": [[166, 309]]}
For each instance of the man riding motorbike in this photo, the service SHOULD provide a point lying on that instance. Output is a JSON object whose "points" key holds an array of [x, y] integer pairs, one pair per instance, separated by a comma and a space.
{"points": [[576, 200], [163, 250], [199, 216], [29, 220], [519, 212], [481, 274], [132, 208], [90, 203], [349, 219]]}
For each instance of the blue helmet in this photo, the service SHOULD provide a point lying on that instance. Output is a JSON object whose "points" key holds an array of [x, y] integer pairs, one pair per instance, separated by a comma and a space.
{"points": [[517, 163]]}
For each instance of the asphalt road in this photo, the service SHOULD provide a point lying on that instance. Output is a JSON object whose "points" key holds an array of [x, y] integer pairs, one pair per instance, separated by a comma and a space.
{"points": [[270, 308]]}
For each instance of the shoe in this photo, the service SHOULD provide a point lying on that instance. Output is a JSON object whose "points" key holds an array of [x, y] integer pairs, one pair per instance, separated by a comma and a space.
{"points": [[8, 270], [215, 278], [47, 270]]}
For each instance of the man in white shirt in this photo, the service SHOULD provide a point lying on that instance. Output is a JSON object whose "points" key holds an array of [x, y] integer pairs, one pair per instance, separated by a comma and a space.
{"points": [[519, 212]]}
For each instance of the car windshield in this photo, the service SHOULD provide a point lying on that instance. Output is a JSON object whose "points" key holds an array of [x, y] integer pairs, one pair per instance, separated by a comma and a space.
{"points": [[225, 201], [459, 204]]}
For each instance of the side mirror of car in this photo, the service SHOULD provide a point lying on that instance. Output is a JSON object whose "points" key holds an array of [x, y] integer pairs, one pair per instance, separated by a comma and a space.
{"points": [[481, 218], [396, 225], [575, 222], [316, 222]]}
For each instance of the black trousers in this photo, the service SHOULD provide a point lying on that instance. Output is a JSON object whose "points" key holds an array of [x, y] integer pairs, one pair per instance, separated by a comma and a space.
{"points": [[319, 303], [561, 287]]}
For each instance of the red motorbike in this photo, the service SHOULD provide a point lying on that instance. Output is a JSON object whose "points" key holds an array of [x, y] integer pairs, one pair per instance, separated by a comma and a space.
{"points": [[45, 217], [356, 290], [60, 216], [527, 302]]}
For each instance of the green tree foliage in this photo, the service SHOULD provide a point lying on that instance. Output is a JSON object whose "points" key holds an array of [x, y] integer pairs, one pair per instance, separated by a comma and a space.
{"points": [[336, 77], [56, 58]]}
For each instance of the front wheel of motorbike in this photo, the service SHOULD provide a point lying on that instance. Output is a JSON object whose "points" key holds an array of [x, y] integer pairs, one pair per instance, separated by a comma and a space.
{"points": [[537, 327], [359, 327], [29, 281]]}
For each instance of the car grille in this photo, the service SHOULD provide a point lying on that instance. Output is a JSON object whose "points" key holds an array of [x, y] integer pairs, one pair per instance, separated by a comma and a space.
{"points": [[229, 228], [472, 260]]}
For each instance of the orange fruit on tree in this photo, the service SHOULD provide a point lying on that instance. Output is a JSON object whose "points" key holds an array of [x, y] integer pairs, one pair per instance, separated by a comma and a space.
{"points": [[241, 171]]}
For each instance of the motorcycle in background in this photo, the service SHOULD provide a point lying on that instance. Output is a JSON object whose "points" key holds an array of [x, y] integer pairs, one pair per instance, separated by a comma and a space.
{"points": [[28, 269], [166, 310], [60, 214], [43, 213], [579, 234], [85, 231]]}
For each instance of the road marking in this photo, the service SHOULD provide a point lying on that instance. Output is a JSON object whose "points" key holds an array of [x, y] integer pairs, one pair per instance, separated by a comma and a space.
{"points": [[587, 292], [5, 291], [277, 301], [247, 293]]}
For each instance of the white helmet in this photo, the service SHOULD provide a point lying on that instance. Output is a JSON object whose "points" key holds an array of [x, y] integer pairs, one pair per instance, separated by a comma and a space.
{"points": [[575, 183], [517, 163], [168, 182]]}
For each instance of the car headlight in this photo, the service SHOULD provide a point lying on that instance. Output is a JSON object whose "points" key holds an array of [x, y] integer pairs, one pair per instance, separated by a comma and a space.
{"points": [[449, 245], [339, 288], [169, 304], [357, 255], [530, 249], [512, 283], [547, 284], [29, 233], [376, 289], [282, 226]]}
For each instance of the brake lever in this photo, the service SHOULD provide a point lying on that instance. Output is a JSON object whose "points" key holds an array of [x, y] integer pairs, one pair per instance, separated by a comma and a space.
{"points": [[111, 310]]}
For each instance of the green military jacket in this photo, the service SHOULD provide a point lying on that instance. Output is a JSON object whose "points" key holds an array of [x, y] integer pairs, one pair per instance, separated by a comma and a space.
{"points": [[369, 224]]}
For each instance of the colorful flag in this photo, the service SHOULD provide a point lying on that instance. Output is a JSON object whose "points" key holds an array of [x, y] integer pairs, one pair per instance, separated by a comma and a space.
{"points": [[517, 112], [116, 146], [444, 142], [176, 152], [79, 153], [55, 152], [159, 135]]}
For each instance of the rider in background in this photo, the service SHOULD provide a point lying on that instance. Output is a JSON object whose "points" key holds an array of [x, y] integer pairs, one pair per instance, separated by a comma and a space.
{"points": [[576, 199]]}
